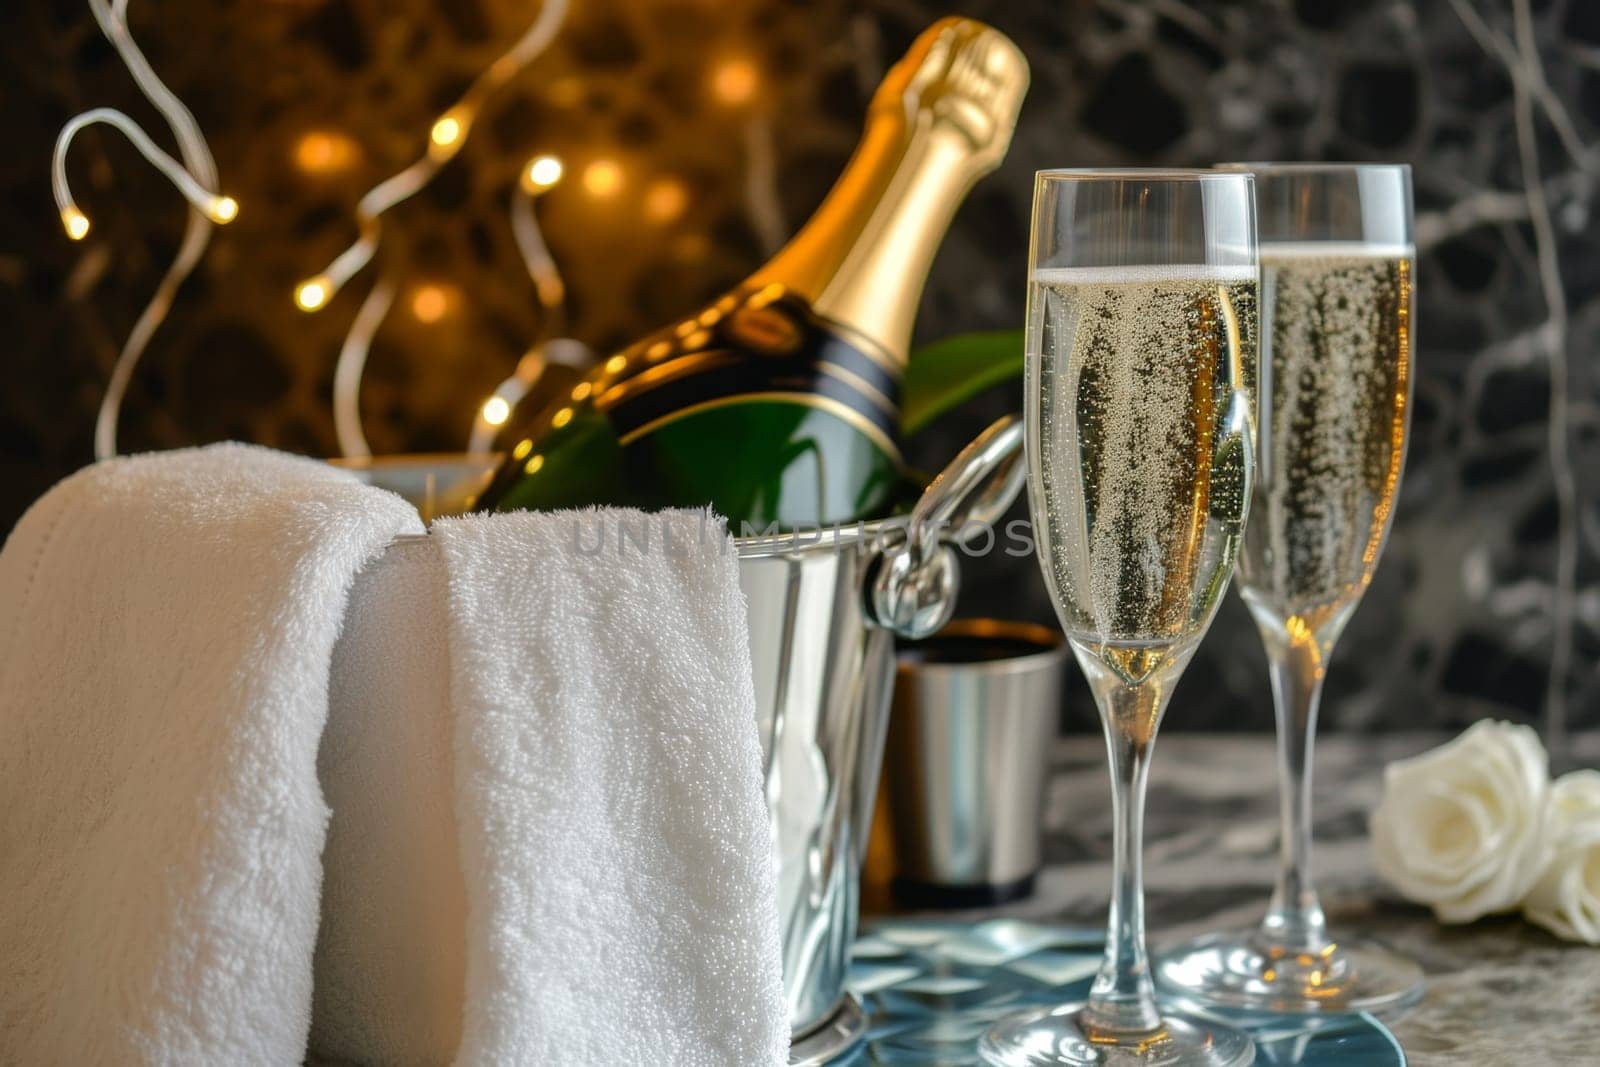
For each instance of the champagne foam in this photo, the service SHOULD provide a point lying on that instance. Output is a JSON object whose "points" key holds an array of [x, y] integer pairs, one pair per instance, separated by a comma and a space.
{"points": [[1151, 274], [1278, 251]]}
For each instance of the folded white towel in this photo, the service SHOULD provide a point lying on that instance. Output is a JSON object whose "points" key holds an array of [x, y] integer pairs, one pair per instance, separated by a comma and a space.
{"points": [[164, 662], [620, 881], [168, 659], [391, 951]]}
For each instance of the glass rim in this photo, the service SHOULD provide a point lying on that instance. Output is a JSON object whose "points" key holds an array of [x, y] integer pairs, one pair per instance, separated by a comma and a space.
{"points": [[1157, 174], [1310, 168]]}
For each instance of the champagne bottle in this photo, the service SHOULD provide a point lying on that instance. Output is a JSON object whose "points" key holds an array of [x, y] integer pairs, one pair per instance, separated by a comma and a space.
{"points": [[779, 403]]}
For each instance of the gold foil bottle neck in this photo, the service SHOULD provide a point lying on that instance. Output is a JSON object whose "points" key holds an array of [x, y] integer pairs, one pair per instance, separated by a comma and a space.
{"points": [[941, 119], [964, 75]]}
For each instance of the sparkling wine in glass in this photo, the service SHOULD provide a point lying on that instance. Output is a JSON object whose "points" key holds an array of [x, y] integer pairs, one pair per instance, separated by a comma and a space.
{"points": [[1139, 401], [1337, 269]]}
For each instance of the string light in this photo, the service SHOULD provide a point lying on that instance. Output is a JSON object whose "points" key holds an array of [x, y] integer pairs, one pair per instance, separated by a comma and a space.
{"points": [[352, 362], [201, 169], [445, 133], [76, 223], [445, 138], [542, 173], [195, 178], [496, 410], [219, 209], [312, 293]]}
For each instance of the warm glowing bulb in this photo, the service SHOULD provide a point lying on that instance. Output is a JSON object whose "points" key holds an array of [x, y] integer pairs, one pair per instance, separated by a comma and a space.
{"points": [[602, 178], [524, 446], [429, 303], [533, 465], [734, 81], [665, 200], [562, 417], [446, 132], [324, 152], [616, 364], [312, 294], [542, 173], [76, 222], [223, 209], [496, 410]]}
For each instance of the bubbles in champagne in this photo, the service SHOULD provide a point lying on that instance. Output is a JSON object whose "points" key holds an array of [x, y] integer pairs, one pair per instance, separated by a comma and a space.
{"points": [[1141, 380], [1335, 392]]}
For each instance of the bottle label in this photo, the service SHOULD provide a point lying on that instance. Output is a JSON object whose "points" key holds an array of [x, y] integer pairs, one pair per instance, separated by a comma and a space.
{"points": [[754, 344]]}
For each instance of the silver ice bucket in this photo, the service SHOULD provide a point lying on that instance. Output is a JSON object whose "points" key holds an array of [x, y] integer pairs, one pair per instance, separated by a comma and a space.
{"points": [[824, 609]]}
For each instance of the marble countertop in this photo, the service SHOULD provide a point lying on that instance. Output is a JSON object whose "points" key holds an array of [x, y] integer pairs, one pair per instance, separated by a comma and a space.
{"points": [[1500, 991]]}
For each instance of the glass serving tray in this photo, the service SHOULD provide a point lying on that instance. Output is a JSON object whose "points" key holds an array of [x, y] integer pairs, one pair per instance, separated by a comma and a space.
{"points": [[931, 987]]}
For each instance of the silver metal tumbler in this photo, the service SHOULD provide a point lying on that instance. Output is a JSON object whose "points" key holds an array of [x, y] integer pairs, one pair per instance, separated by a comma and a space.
{"points": [[975, 711]]}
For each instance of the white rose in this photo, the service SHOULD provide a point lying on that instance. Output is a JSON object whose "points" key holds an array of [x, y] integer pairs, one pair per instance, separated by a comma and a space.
{"points": [[1566, 898], [1462, 827]]}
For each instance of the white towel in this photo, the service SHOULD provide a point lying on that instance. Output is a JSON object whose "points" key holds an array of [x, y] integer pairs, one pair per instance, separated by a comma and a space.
{"points": [[168, 657], [164, 660], [619, 872], [391, 951]]}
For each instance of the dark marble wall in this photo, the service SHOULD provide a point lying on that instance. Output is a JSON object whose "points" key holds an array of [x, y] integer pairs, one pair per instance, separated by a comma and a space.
{"points": [[1495, 102]]}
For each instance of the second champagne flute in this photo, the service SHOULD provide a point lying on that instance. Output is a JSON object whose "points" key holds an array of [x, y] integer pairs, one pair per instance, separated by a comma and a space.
{"points": [[1337, 289], [1139, 392]]}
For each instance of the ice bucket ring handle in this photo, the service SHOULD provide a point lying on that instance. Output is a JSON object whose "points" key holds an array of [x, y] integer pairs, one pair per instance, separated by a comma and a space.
{"points": [[913, 591]]}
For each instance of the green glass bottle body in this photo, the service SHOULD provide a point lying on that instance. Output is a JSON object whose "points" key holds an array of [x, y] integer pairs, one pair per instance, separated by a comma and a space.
{"points": [[756, 407], [779, 403]]}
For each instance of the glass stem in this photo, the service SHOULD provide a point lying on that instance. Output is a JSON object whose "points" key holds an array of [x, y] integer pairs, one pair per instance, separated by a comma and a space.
{"points": [[1123, 996], [1294, 919]]}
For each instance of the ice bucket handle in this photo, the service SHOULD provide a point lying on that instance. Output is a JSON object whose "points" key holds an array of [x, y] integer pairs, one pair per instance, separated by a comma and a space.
{"points": [[913, 590]]}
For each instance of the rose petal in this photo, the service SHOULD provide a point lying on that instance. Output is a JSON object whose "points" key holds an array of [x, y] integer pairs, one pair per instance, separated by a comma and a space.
{"points": [[1575, 797], [1446, 838], [1566, 898], [1463, 826]]}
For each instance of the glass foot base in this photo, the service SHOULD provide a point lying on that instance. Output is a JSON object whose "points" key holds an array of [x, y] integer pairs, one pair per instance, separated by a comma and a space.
{"points": [[1237, 970], [1062, 1036]]}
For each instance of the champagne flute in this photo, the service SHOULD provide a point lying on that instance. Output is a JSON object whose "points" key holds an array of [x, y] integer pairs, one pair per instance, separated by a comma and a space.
{"points": [[1139, 402], [1337, 268]]}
